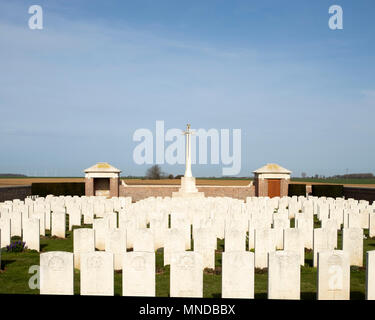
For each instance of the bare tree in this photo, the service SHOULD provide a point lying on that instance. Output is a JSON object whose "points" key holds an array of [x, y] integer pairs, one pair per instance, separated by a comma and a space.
{"points": [[303, 174], [154, 172]]}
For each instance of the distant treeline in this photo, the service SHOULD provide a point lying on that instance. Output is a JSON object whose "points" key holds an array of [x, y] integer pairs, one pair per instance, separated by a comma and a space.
{"points": [[354, 176], [12, 175], [337, 177]]}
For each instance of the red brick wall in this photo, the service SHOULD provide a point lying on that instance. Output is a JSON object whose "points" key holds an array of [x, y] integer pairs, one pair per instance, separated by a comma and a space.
{"points": [[237, 192], [141, 192]]}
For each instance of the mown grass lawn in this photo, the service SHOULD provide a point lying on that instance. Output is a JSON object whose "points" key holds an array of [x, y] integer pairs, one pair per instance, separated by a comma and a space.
{"points": [[14, 274]]}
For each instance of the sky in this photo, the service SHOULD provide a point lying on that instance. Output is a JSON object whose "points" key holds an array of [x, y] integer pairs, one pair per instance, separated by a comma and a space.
{"points": [[74, 93]]}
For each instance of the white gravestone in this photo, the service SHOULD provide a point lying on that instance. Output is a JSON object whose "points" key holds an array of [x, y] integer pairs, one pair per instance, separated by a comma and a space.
{"points": [[307, 227], [364, 216], [237, 275], [284, 275], [372, 225], [182, 224], [264, 243], [370, 275], [97, 275], [56, 273], [83, 242], [294, 242], [186, 277], [138, 275], [42, 221], [333, 275], [101, 227], [144, 241], [47, 214], [251, 242], [279, 224], [354, 220], [31, 234], [99, 209], [58, 224], [331, 227], [174, 242], [74, 217], [24, 214], [16, 224], [116, 243], [235, 240], [352, 242], [322, 241], [112, 219], [88, 214], [204, 244], [159, 231], [129, 225], [5, 232]]}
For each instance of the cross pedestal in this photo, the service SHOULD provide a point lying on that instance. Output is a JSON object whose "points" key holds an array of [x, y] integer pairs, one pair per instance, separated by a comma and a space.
{"points": [[188, 188]]}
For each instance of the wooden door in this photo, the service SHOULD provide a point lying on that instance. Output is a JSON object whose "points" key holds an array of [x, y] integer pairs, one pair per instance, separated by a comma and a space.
{"points": [[274, 188]]}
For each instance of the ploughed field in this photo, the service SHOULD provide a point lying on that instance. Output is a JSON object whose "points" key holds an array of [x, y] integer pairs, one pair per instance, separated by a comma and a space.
{"points": [[14, 276], [365, 183]]}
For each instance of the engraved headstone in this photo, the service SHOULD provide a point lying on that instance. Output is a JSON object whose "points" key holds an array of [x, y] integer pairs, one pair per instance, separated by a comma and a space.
{"points": [[97, 275], [186, 275], [138, 275], [56, 273], [237, 275]]}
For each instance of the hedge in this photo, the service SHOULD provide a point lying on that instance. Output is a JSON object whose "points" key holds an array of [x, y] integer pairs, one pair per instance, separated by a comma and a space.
{"points": [[58, 189], [295, 189], [328, 190]]}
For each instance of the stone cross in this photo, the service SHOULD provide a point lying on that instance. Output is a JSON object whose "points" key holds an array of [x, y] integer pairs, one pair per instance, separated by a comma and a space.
{"points": [[188, 134]]}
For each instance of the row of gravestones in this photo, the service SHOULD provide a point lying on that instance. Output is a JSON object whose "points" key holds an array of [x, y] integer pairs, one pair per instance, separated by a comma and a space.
{"points": [[186, 274], [280, 222], [118, 240], [203, 248], [102, 204], [31, 218], [90, 206], [323, 239], [265, 240]]}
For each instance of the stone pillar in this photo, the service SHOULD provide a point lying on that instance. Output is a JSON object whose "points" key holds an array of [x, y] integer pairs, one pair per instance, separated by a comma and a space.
{"points": [[284, 183], [261, 187], [114, 187], [89, 187]]}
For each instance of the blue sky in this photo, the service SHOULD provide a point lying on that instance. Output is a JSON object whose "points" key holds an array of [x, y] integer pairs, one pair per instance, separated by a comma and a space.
{"points": [[73, 93]]}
